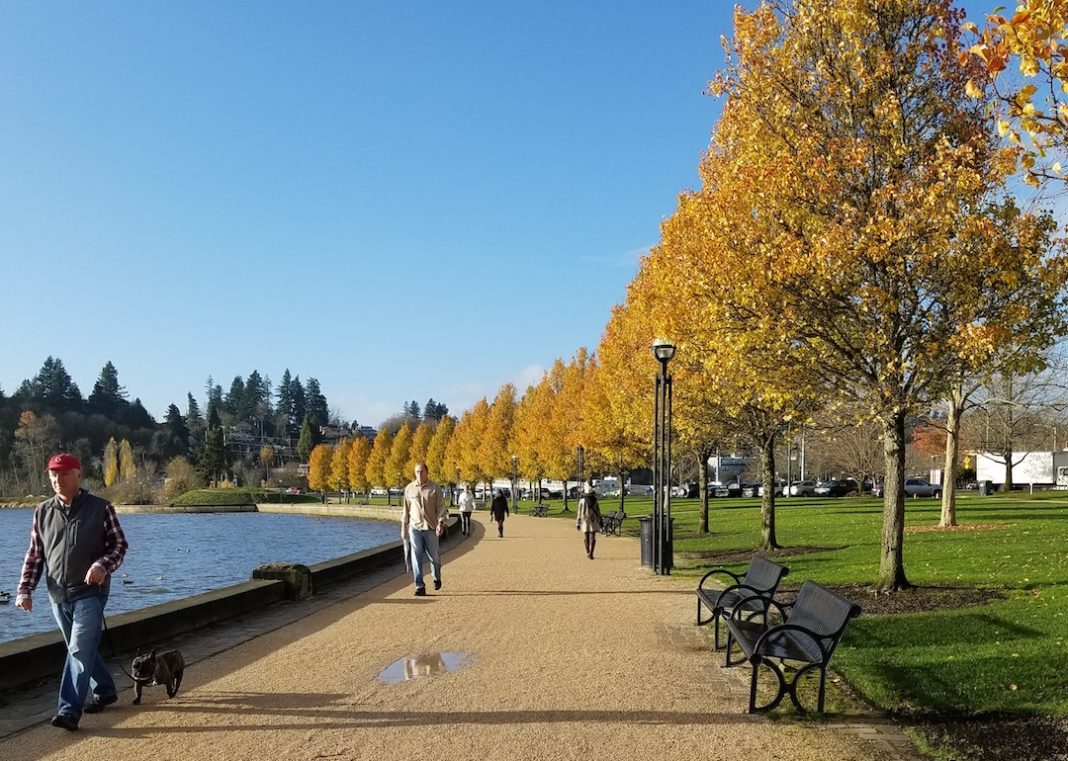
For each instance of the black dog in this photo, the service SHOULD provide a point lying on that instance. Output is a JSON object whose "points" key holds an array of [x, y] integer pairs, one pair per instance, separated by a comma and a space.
{"points": [[166, 669]]}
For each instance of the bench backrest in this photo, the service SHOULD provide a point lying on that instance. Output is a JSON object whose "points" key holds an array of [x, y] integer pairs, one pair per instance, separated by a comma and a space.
{"points": [[820, 610], [764, 575]]}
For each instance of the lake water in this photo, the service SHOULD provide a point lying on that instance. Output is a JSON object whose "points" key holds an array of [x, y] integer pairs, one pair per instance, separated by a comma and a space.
{"points": [[173, 556]]}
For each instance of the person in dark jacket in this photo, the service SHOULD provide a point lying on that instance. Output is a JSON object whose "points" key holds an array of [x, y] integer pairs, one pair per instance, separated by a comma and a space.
{"points": [[77, 542], [499, 509]]}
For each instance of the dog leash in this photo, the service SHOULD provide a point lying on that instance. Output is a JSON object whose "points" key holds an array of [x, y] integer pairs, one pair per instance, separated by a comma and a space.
{"points": [[115, 655]]}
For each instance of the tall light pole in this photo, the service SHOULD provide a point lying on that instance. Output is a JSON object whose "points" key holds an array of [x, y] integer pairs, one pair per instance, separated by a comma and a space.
{"points": [[662, 549], [515, 481]]}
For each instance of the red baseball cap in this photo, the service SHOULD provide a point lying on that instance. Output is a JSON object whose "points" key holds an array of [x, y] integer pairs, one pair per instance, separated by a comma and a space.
{"points": [[64, 461]]}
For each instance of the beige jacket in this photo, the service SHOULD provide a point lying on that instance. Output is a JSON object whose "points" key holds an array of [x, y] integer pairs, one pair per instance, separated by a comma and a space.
{"points": [[424, 506]]}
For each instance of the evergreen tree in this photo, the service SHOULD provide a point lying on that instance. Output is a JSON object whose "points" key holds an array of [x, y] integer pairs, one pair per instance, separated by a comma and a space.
{"points": [[300, 406], [284, 404], [107, 397], [256, 400], [54, 389], [233, 401], [434, 410], [178, 433], [317, 411], [306, 443], [212, 458], [411, 410]]}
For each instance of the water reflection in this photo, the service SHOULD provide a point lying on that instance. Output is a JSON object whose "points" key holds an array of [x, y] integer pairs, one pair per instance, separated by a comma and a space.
{"points": [[427, 664]]}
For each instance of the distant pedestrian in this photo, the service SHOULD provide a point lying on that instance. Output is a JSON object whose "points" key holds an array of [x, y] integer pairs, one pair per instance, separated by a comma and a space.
{"points": [[466, 503], [77, 542], [423, 522], [499, 509], [589, 519]]}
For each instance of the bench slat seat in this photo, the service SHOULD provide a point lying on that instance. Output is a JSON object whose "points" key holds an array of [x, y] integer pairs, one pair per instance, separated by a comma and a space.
{"points": [[760, 580], [611, 524], [810, 632]]}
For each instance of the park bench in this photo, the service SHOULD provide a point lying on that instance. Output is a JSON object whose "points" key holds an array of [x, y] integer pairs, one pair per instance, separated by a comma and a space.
{"points": [[811, 628], [611, 524], [539, 511], [760, 579]]}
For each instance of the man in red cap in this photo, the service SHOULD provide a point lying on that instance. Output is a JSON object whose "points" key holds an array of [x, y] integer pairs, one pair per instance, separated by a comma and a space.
{"points": [[78, 543]]}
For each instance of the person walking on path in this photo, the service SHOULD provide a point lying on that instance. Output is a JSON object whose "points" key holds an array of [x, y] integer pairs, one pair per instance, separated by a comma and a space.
{"points": [[76, 540], [499, 509], [423, 521], [466, 503], [589, 518]]}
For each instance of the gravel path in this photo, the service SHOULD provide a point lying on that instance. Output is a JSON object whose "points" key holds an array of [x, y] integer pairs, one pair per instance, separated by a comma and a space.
{"points": [[564, 658]]}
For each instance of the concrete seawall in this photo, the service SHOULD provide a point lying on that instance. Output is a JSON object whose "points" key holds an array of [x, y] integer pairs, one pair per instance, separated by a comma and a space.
{"points": [[35, 657]]}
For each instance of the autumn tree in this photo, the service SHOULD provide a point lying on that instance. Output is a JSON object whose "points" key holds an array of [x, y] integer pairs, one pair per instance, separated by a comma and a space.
{"points": [[266, 460], [396, 467], [319, 462], [36, 438], [440, 468], [359, 453], [494, 451], [468, 439], [531, 431], [339, 468], [849, 143], [417, 452], [376, 462], [127, 465], [111, 462]]}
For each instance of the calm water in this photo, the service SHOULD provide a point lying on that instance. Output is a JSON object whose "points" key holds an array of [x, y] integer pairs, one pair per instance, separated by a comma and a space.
{"points": [[179, 555]]}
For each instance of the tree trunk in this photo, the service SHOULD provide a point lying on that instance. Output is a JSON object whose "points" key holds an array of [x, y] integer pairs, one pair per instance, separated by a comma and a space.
{"points": [[622, 491], [702, 491], [1007, 485], [949, 478], [892, 563], [767, 505], [565, 497]]}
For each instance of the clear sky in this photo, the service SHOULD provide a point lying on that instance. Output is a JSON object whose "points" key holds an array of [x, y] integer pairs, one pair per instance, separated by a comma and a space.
{"points": [[403, 199]]}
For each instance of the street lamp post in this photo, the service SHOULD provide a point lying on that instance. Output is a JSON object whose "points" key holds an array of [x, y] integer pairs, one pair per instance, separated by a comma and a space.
{"points": [[662, 549], [515, 481]]}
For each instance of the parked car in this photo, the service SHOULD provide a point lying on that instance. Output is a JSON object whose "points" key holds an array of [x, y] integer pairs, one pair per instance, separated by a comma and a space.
{"points": [[733, 489], [751, 490], [836, 488], [806, 488], [919, 487], [640, 490], [777, 488]]}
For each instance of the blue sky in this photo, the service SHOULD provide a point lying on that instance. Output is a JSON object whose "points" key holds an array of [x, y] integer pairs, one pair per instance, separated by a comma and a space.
{"points": [[404, 200]]}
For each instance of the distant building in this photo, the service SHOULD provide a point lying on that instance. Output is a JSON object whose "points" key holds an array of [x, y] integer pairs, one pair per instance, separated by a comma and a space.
{"points": [[364, 430], [331, 434]]}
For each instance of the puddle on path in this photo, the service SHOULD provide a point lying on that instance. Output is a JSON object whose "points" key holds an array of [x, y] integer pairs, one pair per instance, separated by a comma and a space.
{"points": [[416, 666]]}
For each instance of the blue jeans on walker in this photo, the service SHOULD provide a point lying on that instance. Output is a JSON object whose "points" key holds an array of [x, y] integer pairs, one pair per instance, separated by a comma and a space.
{"points": [[80, 622], [424, 543]]}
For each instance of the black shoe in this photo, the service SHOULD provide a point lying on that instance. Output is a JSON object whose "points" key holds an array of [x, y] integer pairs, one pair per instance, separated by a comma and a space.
{"points": [[98, 703], [437, 584], [420, 592], [65, 721]]}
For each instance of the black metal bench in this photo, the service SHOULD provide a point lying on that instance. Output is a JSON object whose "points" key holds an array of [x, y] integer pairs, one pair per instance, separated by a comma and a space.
{"points": [[611, 524], [811, 629], [761, 579], [539, 511]]}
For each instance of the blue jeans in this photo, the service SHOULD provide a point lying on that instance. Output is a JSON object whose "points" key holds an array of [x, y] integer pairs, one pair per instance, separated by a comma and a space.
{"points": [[80, 622], [424, 543]]}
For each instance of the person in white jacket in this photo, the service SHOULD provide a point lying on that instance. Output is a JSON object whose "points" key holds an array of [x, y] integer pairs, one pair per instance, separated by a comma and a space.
{"points": [[467, 505]]}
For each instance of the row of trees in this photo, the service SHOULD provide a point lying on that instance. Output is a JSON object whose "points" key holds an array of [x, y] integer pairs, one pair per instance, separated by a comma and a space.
{"points": [[854, 252]]}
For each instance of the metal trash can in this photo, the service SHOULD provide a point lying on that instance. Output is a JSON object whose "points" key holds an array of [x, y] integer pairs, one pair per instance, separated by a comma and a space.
{"points": [[645, 532], [986, 488]]}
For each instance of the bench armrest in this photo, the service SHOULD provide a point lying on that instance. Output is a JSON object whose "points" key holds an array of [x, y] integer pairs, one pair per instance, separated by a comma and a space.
{"points": [[736, 576], [767, 602]]}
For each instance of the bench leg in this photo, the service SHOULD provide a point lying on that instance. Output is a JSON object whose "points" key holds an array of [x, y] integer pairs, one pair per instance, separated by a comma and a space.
{"points": [[783, 689]]}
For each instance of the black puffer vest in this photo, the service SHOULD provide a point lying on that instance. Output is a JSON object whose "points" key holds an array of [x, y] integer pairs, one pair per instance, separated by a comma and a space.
{"points": [[73, 539]]}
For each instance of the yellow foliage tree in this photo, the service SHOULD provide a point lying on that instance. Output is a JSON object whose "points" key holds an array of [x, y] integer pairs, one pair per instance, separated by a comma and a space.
{"points": [[127, 466], [494, 452], [339, 467], [358, 454], [531, 430], [440, 467], [111, 462], [396, 469], [319, 462], [417, 453], [376, 462]]}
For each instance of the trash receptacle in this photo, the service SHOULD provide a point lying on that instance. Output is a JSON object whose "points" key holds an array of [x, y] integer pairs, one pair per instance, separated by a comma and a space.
{"points": [[986, 488], [645, 533]]}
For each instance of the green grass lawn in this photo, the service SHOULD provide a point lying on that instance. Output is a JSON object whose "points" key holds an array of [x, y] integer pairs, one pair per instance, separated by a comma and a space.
{"points": [[1008, 655]]}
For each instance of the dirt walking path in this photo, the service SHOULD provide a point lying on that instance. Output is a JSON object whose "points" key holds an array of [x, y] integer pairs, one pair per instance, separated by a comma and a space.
{"points": [[563, 658]]}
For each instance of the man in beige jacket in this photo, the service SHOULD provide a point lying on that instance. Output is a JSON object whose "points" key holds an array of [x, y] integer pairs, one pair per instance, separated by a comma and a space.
{"points": [[423, 521]]}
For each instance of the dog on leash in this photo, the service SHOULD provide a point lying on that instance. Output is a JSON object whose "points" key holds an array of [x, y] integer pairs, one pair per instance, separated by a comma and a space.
{"points": [[164, 668]]}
